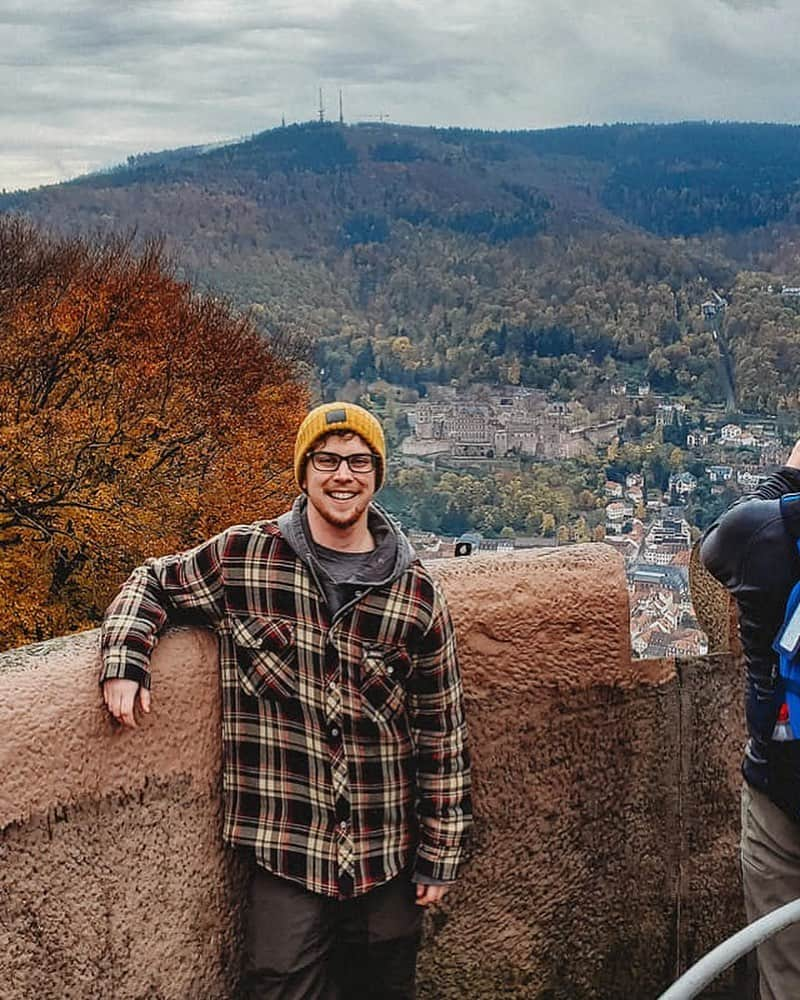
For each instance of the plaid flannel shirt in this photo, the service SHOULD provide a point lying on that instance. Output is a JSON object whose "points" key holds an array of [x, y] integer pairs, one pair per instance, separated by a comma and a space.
{"points": [[344, 742]]}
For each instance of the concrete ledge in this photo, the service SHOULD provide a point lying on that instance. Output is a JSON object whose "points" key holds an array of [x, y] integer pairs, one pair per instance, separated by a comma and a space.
{"points": [[63, 748], [604, 852]]}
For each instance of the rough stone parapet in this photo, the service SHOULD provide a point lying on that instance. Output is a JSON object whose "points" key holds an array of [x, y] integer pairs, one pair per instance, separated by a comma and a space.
{"points": [[604, 852]]}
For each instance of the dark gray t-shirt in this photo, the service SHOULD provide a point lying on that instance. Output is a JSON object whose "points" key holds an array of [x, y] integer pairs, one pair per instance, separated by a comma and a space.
{"points": [[345, 573]]}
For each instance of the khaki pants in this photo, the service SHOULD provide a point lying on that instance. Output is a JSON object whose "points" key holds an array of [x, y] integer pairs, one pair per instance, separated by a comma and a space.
{"points": [[301, 946], [771, 877]]}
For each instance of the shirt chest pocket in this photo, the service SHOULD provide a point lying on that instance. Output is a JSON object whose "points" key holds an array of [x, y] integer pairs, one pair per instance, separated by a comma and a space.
{"points": [[266, 656], [384, 672]]}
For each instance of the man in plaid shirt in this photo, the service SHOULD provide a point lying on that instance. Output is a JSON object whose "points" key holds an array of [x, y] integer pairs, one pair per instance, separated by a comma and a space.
{"points": [[345, 765]]}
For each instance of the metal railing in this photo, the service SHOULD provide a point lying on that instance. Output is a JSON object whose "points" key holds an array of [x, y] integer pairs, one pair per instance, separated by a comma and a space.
{"points": [[724, 955]]}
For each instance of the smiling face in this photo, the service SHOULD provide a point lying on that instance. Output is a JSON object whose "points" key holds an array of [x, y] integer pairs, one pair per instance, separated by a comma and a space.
{"points": [[338, 501]]}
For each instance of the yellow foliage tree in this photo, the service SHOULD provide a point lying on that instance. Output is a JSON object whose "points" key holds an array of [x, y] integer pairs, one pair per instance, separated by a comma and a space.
{"points": [[136, 417]]}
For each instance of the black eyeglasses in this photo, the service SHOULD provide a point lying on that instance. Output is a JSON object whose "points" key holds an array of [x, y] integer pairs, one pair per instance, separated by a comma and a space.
{"points": [[329, 461]]}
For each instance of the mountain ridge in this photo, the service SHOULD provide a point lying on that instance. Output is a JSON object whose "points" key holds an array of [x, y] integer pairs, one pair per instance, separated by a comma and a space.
{"points": [[426, 254]]}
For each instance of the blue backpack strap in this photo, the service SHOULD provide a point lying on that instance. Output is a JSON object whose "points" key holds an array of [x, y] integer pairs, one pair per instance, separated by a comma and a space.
{"points": [[788, 686], [790, 512]]}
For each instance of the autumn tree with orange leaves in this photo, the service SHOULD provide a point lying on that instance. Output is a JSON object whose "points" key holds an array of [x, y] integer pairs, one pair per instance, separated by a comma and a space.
{"points": [[136, 417]]}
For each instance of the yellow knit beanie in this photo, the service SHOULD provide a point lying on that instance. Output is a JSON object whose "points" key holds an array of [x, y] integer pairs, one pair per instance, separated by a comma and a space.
{"points": [[331, 417]]}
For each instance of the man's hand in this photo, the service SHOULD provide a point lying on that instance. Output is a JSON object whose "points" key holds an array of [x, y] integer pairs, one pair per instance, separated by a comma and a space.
{"points": [[428, 895], [120, 698], [793, 461]]}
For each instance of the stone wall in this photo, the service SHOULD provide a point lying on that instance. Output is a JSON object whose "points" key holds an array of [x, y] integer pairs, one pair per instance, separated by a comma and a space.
{"points": [[604, 855]]}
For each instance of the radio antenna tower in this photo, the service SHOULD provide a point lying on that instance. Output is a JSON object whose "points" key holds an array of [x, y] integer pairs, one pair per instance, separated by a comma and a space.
{"points": [[341, 111], [321, 107]]}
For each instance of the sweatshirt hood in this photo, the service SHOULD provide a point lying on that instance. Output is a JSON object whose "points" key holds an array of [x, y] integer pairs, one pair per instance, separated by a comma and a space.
{"points": [[391, 545]]}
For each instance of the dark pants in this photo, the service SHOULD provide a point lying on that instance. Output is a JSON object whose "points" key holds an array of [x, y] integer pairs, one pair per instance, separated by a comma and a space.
{"points": [[303, 946], [771, 874]]}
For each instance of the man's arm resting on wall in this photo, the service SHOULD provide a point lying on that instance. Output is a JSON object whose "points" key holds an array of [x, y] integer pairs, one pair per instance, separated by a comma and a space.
{"points": [[436, 707], [189, 582]]}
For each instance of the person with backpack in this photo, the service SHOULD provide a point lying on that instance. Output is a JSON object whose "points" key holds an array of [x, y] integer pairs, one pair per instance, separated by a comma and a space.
{"points": [[753, 549]]}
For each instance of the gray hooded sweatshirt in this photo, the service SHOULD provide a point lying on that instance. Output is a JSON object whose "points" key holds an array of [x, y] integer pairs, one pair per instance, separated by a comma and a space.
{"points": [[344, 576]]}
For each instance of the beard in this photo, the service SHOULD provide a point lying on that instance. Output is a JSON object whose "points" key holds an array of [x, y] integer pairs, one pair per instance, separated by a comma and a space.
{"points": [[339, 518]]}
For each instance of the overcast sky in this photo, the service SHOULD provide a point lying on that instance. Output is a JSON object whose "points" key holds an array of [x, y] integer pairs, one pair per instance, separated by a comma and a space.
{"points": [[85, 83]]}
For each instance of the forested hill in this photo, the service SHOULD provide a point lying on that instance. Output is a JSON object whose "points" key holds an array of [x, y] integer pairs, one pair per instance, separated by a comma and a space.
{"points": [[559, 258]]}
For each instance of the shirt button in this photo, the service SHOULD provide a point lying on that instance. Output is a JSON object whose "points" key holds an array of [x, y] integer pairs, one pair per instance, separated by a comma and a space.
{"points": [[334, 731], [390, 670], [359, 593], [343, 826], [332, 685]]}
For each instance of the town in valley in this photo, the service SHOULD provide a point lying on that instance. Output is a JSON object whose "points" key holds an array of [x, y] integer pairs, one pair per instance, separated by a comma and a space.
{"points": [[715, 456]]}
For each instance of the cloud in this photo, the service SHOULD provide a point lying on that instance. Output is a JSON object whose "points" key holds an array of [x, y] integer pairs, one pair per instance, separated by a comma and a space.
{"points": [[86, 83], [752, 4]]}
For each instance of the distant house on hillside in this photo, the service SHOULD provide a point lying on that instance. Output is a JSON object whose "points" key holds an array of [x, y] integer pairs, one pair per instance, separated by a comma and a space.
{"points": [[682, 484], [749, 480], [712, 309], [732, 435], [719, 473], [666, 413], [661, 555], [670, 530], [618, 510], [714, 306], [652, 577], [655, 500]]}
